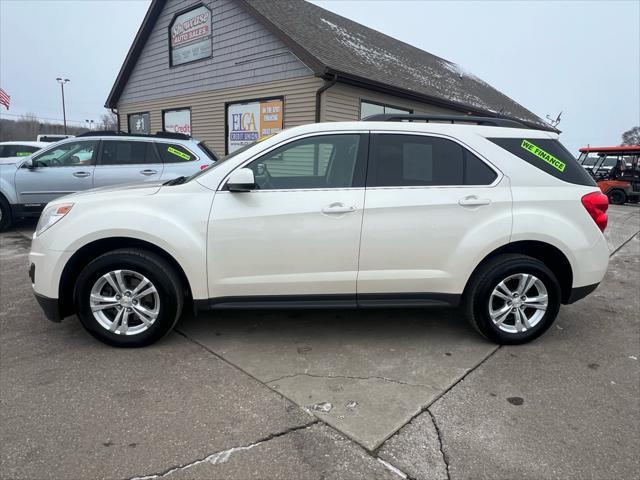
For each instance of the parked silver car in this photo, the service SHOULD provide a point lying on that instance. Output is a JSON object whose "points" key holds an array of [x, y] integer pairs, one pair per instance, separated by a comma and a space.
{"points": [[95, 159]]}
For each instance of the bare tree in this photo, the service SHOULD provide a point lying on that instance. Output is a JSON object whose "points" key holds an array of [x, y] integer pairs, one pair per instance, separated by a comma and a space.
{"points": [[109, 121], [28, 127], [631, 136]]}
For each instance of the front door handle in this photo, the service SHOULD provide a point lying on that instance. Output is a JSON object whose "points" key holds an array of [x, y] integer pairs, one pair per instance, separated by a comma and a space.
{"points": [[81, 174], [474, 201], [338, 207], [148, 171]]}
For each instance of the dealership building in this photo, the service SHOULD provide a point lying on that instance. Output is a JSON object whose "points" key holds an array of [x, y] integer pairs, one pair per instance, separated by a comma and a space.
{"points": [[230, 71]]}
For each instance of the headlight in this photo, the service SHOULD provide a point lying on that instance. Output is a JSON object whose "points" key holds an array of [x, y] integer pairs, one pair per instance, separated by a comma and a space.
{"points": [[52, 215]]}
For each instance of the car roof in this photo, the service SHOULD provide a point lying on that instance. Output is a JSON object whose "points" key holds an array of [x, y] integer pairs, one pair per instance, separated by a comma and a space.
{"points": [[143, 138], [419, 127], [28, 143]]}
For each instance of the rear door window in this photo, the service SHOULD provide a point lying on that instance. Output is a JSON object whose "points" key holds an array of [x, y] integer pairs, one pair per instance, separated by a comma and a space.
{"points": [[123, 152], [174, 153], [548, 155], [399, 160]]}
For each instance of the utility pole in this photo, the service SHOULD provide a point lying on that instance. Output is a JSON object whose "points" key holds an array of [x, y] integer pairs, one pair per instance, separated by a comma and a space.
{"points": [[64, 112]]}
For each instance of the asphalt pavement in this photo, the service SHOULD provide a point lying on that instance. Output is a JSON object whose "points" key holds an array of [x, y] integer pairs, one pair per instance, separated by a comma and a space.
{"points": [[331, 394]]}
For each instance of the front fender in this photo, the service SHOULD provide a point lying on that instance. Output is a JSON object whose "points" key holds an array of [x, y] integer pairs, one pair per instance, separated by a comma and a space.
{"points": [[7, 183], [156, 219]]}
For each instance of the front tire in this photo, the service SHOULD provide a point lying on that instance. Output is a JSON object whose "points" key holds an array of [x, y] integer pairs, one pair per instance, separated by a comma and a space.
{"points": [[128, 298], [512, 299], [5, 214]]}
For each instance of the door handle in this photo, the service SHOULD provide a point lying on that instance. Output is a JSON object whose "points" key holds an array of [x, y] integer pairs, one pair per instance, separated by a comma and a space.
{"points": [[148, 171], [81, 174], [338, 208], [474, 201]]}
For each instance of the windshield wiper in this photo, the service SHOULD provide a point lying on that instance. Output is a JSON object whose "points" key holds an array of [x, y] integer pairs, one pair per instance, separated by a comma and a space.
{"points": [[176, 181]]}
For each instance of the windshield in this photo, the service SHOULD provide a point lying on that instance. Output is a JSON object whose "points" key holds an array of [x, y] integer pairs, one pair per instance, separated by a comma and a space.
{"points": [[222, 160]]}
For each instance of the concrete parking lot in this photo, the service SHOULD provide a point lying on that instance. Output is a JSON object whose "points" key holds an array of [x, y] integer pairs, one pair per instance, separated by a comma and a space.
{"points": [[326, 394]]}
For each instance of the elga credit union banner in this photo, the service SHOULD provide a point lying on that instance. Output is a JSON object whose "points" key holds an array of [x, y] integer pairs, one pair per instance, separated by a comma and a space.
{"points": [[191, 36], [247, 122], [178, 121]]}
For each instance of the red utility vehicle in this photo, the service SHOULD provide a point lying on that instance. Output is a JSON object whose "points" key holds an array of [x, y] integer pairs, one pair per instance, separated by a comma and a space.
{"points": [[616, 170]]}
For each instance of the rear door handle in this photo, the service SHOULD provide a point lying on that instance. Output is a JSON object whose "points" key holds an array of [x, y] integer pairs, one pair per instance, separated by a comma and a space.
{"points": [[148, 171], [338, 208], [81, 174], [474, 201]]}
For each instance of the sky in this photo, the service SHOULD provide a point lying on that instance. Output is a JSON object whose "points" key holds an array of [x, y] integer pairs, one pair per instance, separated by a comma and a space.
{"points": [[578, 57]]}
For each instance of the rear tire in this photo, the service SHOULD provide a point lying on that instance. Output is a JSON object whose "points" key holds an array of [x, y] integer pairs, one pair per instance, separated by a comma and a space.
{"points": [[5, 214], [128, 298], [617, 197], [512, 299]]}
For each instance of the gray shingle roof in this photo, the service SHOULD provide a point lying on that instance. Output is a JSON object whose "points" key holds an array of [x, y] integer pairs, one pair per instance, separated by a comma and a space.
{"points": [[344, 46]]}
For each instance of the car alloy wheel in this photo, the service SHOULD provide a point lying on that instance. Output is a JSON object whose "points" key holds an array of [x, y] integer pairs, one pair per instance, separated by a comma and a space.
{"points": [[124, 302], [518, 303]]}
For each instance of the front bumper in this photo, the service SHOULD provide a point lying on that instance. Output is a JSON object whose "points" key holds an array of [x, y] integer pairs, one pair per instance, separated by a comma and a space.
{"points": [[50, 306]]}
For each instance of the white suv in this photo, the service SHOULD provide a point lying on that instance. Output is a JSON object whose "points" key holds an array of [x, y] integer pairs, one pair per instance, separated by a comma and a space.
{"points": [[491, 216]]}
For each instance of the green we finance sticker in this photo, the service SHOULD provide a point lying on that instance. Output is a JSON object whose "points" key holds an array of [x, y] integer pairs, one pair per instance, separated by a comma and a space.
{"points": [[178, 153], [546, 156]]}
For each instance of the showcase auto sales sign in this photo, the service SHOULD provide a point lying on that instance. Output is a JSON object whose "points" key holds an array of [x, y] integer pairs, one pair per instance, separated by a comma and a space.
{"points": [[191, 36]]}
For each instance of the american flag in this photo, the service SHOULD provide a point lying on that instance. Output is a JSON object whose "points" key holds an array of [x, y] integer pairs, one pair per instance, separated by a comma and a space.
{"points": [[5, 99]]}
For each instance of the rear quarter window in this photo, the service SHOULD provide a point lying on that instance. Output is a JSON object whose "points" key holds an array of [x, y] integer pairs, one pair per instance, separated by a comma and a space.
{"points": [[548, 155], [174, 153]]}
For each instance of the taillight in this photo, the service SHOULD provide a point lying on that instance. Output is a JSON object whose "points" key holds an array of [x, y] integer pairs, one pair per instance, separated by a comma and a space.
{"points": [[202, 167], [596, 204]]}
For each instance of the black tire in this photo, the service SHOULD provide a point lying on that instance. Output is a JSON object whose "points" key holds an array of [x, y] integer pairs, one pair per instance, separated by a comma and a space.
{"points": [[617, 197], [484, 281], [5, 214], [157, 270]]}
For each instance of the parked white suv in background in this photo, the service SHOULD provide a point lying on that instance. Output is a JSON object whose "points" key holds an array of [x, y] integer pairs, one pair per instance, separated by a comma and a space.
{"points": [[91, 160], [493, 216]]}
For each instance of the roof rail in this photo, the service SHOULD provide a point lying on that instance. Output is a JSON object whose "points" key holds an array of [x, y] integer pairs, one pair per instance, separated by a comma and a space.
{"points": [[113, 133], [412, 117]]}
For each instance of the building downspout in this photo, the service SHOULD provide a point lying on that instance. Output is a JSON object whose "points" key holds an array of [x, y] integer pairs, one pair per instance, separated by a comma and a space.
{"points": [[327, 85], [115, 111]]}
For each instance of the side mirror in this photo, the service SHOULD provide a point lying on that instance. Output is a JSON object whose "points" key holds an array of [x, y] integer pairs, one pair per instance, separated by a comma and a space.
{"points": [[28, 164], [241, 180]]}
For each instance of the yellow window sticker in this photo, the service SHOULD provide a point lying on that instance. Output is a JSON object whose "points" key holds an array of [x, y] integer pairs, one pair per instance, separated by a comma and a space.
{"points": [[178, 153], [23, 154], [546, 156]]}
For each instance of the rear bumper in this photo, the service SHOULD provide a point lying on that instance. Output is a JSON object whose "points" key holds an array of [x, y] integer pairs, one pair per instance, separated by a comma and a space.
{"points": [[50, 306], [578, 293]]}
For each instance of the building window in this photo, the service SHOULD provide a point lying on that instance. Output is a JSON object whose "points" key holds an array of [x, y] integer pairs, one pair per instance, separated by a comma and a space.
{"points": [[139, 123], [248, 121], [190, 36], [368, 108], [177, 121]]}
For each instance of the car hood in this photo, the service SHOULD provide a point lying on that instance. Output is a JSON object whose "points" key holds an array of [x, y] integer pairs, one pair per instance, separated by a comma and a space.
{"points": [[11, 160], [141, 188]]}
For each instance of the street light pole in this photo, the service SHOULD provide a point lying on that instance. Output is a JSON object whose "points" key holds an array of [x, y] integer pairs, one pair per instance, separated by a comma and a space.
{"points": [[64, 112]]}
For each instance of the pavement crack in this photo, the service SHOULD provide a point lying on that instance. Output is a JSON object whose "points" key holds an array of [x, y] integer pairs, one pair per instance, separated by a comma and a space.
{"points": [[223, 456], [392, 468], [445, 458], [376, 377], [624, 243]]}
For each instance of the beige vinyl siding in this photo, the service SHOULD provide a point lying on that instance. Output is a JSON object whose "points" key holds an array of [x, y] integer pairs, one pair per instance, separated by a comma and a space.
{"points": [[342, 102], [208, 108]]}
